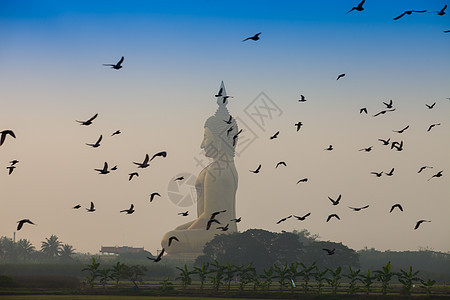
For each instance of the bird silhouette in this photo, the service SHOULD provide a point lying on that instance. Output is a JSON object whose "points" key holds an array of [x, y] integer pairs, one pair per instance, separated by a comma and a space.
{"points": [[329, 252], [446, 31], [129, 211], [388, 105], [438, 174], [302, 180], [358, 208], [420, 222], [91, 209], [302, 99], [114, 168], [333, 216], [184, 214], [173, 238], [442, 11], [224, 98], [214, 214], [275, 135], [23, 221], [284, 219], [408, 12], [385, 142], [229, 130], [116, 132], [131, 175], [144, 164], [363, 110], [340, 76], [368, 149], [236, 220], [281, 163], [153, 195], [423, 168], [397, 145], [329, 148], [254, 38], [223, 228], [335, 202], [401, 130], [396, 206], [432, 125], [179, 178], [88, 122], [158, 258], [10, 169], [97, 143], [210, 221], [162, 154], [76, 206], [13, 162], [359, 7], [235, 137], [116, 66], [298, 125], [104, 170], [229, 120], [303, 217], [257, 170], [377, 174], [430, 106], [383, 112], [391, 172], [3, 135]]}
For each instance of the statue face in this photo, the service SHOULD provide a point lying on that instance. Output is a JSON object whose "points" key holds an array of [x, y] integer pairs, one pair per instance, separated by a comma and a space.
{"points": [[210, 144]]}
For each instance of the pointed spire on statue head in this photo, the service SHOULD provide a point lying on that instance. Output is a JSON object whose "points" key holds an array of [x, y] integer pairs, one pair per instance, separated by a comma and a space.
{"points": [[222, 99]]}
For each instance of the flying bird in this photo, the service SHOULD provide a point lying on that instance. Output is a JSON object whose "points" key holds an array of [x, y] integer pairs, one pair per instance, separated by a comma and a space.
{"points": [[144, 164], [10, 169], [254, 38], [446, 31], [329, 148], [396, 206], [257, 170], [377, 174], [423, 168], [229, 130], [385, 142], [97, 143], [303, 217], [153, 195], [431, 105], [104, 170], [329, 252], [397, 145], [76, 206], [210, 221], [302, 99], [363, 110], [401, 130], [281, 163], [284, 219], [219, 94], [333, 216], [116, 66], [408, 12], [391, 172], [302, 180], [179, 178], [432, 125], [91, 209], [368, 149], [184, 214], [275, 135], [236, 220], [383, 112], [3, 135], [298, 125], [438, 174], [214, 214], [129, 211], [162, 154], [358, 208], [158, 258], [131, 175], [442, 11], [420, 222], [229, 120], [235, 137], [223, 228], [340, 76], [225, 98], [23, 221], [359, 7], [13, 162], [388, 105], [335, 202], [173, 238], [116, 132], [114, 168], [88, 122]]}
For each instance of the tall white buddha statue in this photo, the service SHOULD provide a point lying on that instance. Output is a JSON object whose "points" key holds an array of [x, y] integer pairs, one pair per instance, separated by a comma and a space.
{"points": [[216, 186]]}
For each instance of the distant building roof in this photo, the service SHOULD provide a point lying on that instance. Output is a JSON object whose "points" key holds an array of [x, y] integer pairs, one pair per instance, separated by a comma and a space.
{"points": [[119, 250]]}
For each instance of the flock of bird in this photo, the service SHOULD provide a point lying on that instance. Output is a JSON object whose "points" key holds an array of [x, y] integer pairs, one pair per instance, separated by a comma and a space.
{"points": [[397, 145]]}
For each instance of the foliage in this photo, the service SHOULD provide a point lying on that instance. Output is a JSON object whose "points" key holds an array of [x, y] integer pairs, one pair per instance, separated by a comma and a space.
{"points": [[384, 277], [51, 246], [93, 272], [293, 273], [427, 285], [334, 281], [201, 272], [166, 285], [320, 277], [353, 277], [282, 274], [268, 277], [134, 273], [185, 276], [25, 248], [246, 275], [118, 272], [66, 251], [229, 271], [7, 282], [367, 281], [407, 279], [104, 276], [307, 273], [218, 270]]}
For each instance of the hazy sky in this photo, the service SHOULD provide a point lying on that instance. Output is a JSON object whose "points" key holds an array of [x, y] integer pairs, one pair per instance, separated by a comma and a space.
{"points": [[176, 55]]}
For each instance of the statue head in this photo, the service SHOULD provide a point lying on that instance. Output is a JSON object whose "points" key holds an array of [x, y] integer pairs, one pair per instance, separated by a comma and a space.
{"points": [[218, 137]]}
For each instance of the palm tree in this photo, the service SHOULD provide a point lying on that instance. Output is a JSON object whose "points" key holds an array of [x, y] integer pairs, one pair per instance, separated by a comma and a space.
{"points": [[51, 246], [25, 248], [67, 251], [7, 248]]}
